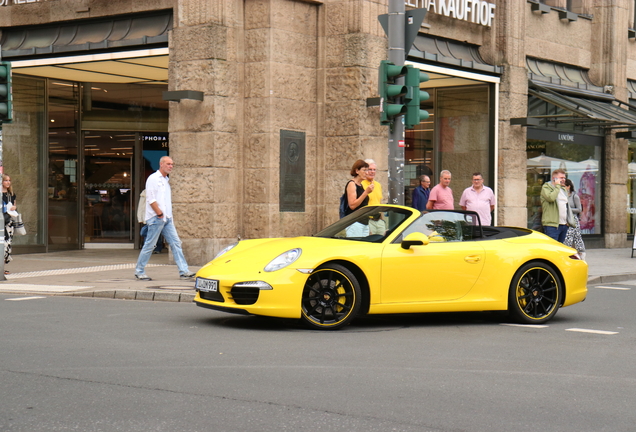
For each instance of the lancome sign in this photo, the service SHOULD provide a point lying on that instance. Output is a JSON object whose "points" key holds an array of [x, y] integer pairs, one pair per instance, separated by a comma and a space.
{"points": [[16, 2], [474, 11]]}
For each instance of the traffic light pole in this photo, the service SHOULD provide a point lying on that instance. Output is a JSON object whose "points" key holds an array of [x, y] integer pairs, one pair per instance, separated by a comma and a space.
{"points": [[396, 55], [2, 276]]}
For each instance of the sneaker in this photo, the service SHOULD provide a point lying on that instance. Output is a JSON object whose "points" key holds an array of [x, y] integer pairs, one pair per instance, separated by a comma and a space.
{"points": [[187, 275], [143, 277]]}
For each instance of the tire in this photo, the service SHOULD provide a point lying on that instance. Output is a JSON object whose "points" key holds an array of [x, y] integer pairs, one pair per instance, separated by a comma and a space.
{"points": [[535, 294], [331, 298]]}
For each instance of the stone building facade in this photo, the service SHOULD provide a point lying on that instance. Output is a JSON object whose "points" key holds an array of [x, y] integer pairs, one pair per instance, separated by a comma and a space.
{"points": [[506, 77]]}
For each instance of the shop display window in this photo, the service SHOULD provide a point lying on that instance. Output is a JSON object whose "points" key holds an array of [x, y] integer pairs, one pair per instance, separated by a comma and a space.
{"points": [[582, 164]]}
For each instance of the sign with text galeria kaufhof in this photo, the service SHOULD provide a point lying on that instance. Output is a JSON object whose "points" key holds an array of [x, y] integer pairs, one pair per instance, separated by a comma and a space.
{"points": [[475, 11]]}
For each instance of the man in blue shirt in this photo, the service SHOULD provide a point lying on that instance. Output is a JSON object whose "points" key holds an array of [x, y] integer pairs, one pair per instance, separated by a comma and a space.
{"points": [[159, 221], [421, 193]]}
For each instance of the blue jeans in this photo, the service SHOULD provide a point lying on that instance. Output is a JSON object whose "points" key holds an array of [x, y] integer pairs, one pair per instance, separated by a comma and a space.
{"points": [[156, 227], [556, 233], [144, 232]]}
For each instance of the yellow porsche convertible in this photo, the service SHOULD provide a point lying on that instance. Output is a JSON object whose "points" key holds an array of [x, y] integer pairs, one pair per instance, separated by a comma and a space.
{"points": [[394, 259]]}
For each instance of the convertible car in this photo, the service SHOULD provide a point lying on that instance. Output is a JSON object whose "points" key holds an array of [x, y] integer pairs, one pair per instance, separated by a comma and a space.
{"points": [[394, 259]]}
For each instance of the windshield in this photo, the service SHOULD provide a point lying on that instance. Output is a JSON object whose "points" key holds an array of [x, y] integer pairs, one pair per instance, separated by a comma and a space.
{"points": [[369, 224], [446, 226]]}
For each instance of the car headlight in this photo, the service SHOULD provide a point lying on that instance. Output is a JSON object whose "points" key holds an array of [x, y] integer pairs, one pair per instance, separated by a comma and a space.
{"points": [[283, 260], [225, 249]]}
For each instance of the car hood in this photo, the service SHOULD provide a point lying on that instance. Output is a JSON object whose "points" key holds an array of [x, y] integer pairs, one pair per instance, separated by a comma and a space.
{"points": [[254, 255]]}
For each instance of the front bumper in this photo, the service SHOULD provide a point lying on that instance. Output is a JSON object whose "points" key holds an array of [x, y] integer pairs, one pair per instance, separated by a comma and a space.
{"points": [[282, 299]]}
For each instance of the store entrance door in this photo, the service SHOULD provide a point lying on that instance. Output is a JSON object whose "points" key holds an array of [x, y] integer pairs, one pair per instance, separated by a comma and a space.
{"points": [[109, 212]]}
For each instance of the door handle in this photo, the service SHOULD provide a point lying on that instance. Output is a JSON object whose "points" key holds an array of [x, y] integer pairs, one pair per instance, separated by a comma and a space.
{"points": [[472, 259]]}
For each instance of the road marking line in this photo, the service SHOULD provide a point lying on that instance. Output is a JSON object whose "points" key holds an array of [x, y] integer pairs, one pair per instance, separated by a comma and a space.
{"points": [[526, 325], [24, 298], [602, 332], [612, 288]]}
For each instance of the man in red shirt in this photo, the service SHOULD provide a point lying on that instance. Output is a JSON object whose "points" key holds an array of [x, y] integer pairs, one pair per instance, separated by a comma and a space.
{"points": [[441, 197]]}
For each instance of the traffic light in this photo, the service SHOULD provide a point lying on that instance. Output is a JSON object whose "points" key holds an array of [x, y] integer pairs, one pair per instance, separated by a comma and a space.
{"points": [[6, 99], [390, 92], [414, 97]]}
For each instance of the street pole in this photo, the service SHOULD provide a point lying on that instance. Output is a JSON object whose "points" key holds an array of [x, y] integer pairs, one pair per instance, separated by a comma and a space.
{"points": [[396, 55], [2, 276]]}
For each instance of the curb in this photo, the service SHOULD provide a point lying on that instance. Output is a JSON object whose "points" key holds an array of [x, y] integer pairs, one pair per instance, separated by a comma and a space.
{"points": [[134, 295]]}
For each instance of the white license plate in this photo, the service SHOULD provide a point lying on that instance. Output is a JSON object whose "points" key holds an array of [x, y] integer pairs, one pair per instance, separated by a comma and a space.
{"points": [[207, 285]]}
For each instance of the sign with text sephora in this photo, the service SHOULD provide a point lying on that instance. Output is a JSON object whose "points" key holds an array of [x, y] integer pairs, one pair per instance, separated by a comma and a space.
{"points": [[474, 11]]}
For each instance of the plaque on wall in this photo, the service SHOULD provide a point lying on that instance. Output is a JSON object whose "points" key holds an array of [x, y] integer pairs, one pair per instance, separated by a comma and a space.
{"points": [[291, 194]]}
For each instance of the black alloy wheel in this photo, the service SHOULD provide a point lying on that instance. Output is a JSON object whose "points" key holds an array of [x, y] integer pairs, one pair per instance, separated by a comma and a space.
{"points": [[331, 298], [535, 293]]}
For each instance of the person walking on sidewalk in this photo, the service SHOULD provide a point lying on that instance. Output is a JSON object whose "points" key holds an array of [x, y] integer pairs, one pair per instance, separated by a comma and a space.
{"points": [[159, 221], [8, 209]]}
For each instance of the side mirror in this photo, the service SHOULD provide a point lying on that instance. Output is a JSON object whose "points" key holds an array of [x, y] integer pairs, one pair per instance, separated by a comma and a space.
{"points": [[414, 239]]}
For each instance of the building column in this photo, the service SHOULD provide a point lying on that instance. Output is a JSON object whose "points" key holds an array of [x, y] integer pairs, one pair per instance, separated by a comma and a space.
{"points": [[354, 46], [509, 40], [609, 68], [205, 136]]}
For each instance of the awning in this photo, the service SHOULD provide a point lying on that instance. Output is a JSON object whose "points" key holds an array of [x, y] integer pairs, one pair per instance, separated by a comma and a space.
{"points": [[125, 32], [451, 53], [584, 111]]}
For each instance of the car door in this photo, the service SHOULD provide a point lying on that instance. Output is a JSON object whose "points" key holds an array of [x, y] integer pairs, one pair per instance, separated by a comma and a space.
{"points": [[439, 271]]}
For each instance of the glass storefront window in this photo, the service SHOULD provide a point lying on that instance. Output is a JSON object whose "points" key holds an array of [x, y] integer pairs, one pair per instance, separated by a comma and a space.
{"points": [[631, 186], [456, 137], [580, 157], [63, 169], [22, 159], [463, 119]]}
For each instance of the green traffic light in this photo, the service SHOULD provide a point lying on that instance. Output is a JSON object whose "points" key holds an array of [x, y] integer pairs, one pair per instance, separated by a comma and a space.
{"points": [[414, 97], [6, 109], [390, 92]]}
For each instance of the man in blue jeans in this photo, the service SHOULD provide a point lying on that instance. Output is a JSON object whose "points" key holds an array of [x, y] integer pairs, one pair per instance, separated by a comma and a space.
{"points": [[159, 221]]}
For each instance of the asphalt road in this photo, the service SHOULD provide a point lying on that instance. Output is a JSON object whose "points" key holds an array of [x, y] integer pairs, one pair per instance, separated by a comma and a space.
{"points": [[116, 365]]}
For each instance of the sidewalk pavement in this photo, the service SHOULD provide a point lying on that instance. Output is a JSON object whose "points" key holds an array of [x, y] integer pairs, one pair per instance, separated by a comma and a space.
{"points": [[107, 273], [110, 273]]}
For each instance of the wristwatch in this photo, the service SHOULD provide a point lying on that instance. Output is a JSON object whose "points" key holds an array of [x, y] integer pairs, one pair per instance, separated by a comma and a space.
{"points": [[160, 215]]}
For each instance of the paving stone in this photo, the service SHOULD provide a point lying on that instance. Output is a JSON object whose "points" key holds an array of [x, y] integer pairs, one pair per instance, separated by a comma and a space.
{"points": [[145, 295], [167, 296], [187, 297], [125, 294], [104, 294]]}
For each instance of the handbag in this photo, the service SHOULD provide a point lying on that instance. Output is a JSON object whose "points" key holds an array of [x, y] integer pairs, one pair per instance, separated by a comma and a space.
{"points": [[18, 225]]}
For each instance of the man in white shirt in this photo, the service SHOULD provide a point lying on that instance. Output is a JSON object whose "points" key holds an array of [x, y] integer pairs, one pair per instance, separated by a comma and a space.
{"points": [[159, 221]]}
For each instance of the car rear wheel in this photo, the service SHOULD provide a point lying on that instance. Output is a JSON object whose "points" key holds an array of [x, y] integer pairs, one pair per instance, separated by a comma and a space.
{"points": [[331, 298], [535, 293]]}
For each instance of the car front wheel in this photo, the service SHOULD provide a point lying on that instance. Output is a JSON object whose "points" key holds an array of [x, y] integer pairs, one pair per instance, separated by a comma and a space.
{"points": [[535, 294], [331, 298]]}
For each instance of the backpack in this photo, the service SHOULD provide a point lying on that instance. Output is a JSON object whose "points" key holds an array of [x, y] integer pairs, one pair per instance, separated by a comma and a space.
{"points": [[344, 203]]}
